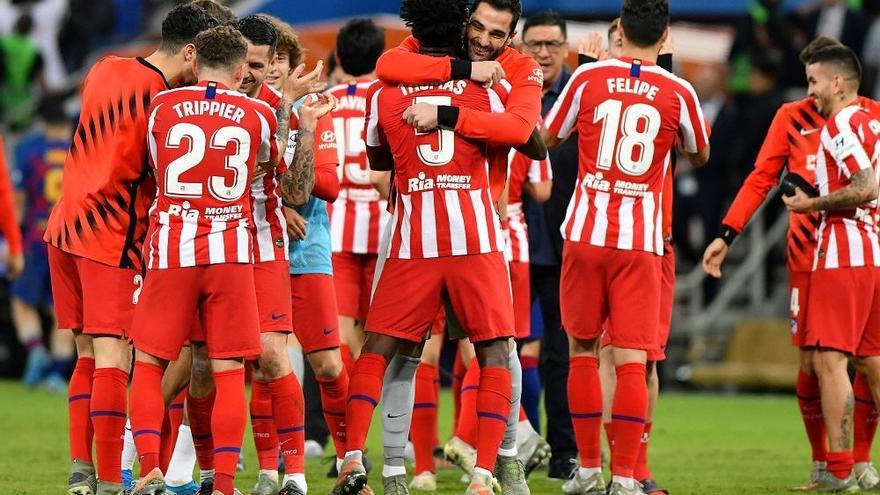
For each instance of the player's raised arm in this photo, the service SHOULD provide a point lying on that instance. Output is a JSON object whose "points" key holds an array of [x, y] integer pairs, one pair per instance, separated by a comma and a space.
{"points": [[298, 180]]}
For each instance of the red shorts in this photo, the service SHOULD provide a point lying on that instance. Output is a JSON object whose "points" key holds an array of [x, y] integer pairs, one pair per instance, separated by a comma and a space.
{"points": [[844, 310], [98, 299], [522, 299], [622, 286], [221, 295], [353, 278], [273, 296], [667, 302], [409, 295], [799, 284], [439, 325], [313, 305]]}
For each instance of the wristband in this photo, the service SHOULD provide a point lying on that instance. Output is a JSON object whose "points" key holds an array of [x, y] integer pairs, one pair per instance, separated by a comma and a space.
{"points": [[728, 235], [447, 116], [460, 69], [664, 60], [586, 59]]}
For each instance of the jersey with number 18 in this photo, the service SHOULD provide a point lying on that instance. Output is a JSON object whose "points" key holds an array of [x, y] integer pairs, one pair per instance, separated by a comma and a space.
{"points": [[204, 143], [628, 115]]}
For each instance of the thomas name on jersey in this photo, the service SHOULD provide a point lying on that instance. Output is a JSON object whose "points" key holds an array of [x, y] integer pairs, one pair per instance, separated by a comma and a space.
{"points": [[455, 87]]}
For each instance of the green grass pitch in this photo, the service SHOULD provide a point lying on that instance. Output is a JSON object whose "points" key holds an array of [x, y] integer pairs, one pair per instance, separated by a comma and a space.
{"points": [[701, 444]]}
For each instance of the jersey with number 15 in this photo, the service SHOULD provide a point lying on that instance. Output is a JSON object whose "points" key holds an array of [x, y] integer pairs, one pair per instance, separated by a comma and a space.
{"points": [[627, 114], [205, 142]]}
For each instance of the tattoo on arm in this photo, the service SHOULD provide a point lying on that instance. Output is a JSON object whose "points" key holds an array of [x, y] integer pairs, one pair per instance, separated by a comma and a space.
{"points": [[861, 186], [282, 113], [299, 179]]}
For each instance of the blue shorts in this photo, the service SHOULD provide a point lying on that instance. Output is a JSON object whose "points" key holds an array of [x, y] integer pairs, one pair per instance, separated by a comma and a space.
{"points": [[34, 287]]}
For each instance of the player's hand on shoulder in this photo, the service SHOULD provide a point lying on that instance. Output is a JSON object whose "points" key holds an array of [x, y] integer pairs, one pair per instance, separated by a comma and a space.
{"points": [[422, 116], [714, 256], [591, 46], [299, 85], [488, 72]]}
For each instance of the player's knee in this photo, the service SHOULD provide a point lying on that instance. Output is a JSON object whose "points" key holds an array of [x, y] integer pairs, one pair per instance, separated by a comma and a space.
{"points": [[274, 363], [493, 354], [326, 367], [201, 381]]}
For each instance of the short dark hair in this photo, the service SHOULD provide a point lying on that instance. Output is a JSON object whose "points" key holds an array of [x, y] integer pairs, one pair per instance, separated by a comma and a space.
{"points": [[222, 13], [221, 47], [259, 30], [359, 45], [545, 18], [841, 57], [512, 6], [435, 23], [23, 24], [182, 25], [644, 21], [819, 43]]}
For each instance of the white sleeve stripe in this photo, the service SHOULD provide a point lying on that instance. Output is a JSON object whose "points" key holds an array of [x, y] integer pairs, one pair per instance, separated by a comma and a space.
{"points": [[373, 124], [688, 133], [571, 116], [495, 103]]}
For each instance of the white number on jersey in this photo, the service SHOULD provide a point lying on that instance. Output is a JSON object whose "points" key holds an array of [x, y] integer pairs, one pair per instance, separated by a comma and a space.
{"points": [[795, 306], [446, 149], [350, 144], [632, 140], [197, 145]]}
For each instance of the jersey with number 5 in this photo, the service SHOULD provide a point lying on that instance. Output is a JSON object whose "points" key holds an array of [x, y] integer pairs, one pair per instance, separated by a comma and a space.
{"points": [[204, 143], [443, 205], [358, 215], [628, 115]]}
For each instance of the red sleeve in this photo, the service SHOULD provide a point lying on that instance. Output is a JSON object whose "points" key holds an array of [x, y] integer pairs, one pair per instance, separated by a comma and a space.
{"points": [[522, 110], [771, 160], [326, 160], [404, 65], [8, 223]]}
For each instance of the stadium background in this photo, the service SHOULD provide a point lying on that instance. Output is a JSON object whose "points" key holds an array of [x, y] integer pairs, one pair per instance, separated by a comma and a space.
{"points": [[731, 336]]}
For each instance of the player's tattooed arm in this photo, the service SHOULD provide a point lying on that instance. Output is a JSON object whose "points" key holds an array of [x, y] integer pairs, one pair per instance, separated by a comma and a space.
{"points": [[282, 113], [862, 188], [299, 178]]}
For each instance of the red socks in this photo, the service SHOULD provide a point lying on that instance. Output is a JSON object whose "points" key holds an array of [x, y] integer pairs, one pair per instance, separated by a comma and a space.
{"points": [[79, 394], [864, 419], [288, 408], [263, 425], [347, 359], [585, 406], [810, 403], [108, 414], [493, 408], [642, 472], [228, 421], [200, 412], [147, 413], [628, 417], [333, 395], [840, 464], [466, 428], [423, 429], [364, 393]]}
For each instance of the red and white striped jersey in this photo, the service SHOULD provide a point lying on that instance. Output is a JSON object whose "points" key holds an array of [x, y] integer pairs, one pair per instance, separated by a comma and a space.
{"points": [[627, 114], [847, 144], [522, 169], [269, 226], [442, 204], [204, 143], [358, 215]]}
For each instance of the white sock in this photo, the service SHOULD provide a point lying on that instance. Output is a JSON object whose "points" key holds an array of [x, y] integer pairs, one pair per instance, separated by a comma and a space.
{"points": [[624, 482], [355, 454], [339, 464], [205, 474], [299, 479], [585, 473], [271, 473], [508, 452], [183, 459], [129, 451], [483, 471], [525, 429], [389, 471]]}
